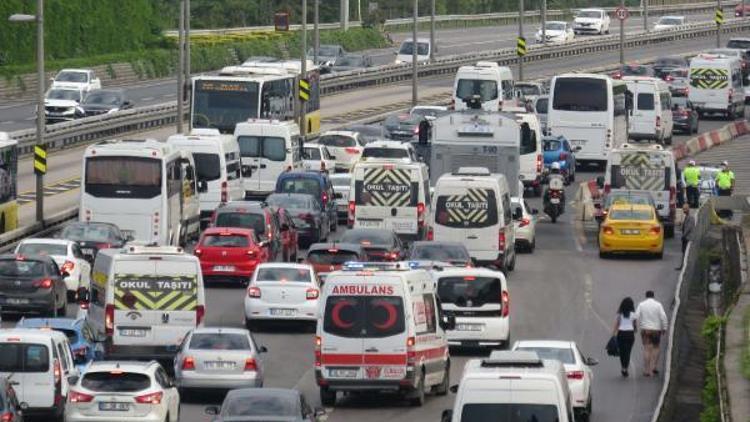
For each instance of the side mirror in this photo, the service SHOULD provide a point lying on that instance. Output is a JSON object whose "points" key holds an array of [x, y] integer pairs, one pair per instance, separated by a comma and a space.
{"points": [[262, 349], [333, 157], [591, 362], [212, 410], [454, 390], [447, 414], [202, 186], [448, 322], [73, 379], [284, 227], [600, 182], [319, 411]]}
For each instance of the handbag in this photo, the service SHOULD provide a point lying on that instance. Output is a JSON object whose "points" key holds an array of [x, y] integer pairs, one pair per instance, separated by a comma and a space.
{"points": [[612, 349]]}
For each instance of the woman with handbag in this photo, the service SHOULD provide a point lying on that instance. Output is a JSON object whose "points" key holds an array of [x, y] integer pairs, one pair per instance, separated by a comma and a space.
{"points": [[624, 331]]}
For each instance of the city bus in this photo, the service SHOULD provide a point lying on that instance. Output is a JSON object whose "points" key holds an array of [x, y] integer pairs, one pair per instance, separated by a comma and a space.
{"points": [[254, 91], [146, 188], [8, 183], [590, 110]]}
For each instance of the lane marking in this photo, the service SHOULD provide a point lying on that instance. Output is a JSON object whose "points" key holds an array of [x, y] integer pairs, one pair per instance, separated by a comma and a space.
{"points": [[147, 99]]}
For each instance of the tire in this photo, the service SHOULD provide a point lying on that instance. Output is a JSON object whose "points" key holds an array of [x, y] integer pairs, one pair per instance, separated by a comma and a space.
{"points": [[603, 255], [417, 397], [250, 324], [444, 386], [512, 265], [659, 255], [327, 397], [553, 217], [532, 246]]}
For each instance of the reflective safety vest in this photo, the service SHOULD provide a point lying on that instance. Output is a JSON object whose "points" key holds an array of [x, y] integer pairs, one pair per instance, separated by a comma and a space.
{"points": [[692, 176], [724, 179]]}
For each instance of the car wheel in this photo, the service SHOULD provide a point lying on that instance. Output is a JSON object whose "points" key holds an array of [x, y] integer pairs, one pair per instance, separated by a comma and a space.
{"points": [[250, 324], [63, 309], [603, 255], [327, 397], [659, 255], [444, 386], [532, 246], [512, 265], [335, 225], [417, 397]]}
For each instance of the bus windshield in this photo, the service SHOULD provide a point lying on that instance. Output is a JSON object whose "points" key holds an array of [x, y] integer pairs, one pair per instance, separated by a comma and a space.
{"points": [[221, 104], [123, 177], [580, 94]]}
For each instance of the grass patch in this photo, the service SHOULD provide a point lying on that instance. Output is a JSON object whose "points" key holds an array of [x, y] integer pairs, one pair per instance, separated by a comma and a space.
{"points": [[710, 395]]}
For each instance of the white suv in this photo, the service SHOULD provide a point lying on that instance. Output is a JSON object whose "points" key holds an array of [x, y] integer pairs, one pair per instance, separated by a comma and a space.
{"points": [[68, 257], [389, 150], [123, 391], [591, 21]]}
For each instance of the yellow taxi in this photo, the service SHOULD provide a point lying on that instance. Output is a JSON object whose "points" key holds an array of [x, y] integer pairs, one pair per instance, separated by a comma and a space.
{"points": [[631, 228]]}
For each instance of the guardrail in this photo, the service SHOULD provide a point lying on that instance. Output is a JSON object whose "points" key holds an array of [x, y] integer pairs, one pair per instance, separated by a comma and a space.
{"points": [[504, 16]]}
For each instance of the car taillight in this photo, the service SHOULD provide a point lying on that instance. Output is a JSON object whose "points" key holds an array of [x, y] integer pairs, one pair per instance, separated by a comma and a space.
{"points": [[57, 372], [351, 150], [539, 163], [251, 253], [501, 241], [312, 294], [658, 122], [318, 348], [68, 267], [575, 375], [607, 188], [43, 284], [505, 298], [7, 417], [420, 214], [430, 234], [224, 191], [251, 365], [103, 245], [352, 208], [411, 354], [563, 156], [655, 230], [153, 398], [188, 363], [253, 292], [198, 252], [200, 313], [524, 222], [393, 256], [325, 198], [109, 319], [608, 230], [76, 397]]}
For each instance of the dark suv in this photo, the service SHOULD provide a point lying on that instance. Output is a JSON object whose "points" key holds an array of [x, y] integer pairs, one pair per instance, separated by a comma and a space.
{"points": [[32, 284], [252, 215], [311, 182]]}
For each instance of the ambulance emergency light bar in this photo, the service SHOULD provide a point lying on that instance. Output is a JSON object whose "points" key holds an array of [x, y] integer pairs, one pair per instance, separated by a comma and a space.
{"points": [[394, 266]]}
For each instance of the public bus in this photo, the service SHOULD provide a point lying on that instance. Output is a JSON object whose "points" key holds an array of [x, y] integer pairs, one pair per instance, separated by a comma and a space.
{"points": [[8, 183], [590, 110], [146, 188], [254, 91]]}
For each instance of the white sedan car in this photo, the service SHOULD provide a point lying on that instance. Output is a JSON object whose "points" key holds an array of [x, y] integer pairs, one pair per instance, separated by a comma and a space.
{"points": [[317, 157], [524, 219], [119, 391], [341, 187], [68, 257], [556, 32], [577, 367], [282, 291]]}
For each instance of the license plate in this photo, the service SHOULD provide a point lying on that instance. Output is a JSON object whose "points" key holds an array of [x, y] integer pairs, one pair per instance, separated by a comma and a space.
{"points": [[219, 365], [224, 268], [369, 223], [698, 105], [342, 373], [16, 301], [578, 142], [114, 406], [132, 332], [404, 226], [554, 200], [87, 251], [468, 327], [283, 312], [630, 231]]}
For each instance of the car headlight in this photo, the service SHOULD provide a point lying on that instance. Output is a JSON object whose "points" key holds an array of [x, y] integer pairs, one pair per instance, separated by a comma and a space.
{"points": [[398, 61]]}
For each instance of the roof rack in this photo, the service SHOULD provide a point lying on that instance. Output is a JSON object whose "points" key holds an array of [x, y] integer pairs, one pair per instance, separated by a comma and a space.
{"points": [[472, 171], [512, 359]]}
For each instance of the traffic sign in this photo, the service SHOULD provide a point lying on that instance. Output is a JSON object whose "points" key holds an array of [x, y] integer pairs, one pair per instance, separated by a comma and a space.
{"points": [[40, 159], [622, 13], [719, 18], [304, 89], [521, 46]]}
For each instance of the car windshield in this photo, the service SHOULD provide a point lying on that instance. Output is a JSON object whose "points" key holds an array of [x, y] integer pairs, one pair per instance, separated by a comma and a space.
{"points": [[554, 26], [469, 291], [103, 98], [64, 94], [219, 341], [486, 89], [226, 240], [301, 275], [679, 73], [115, 381], [310, 153], [367, 316], [261, 405], [670, 21], [368, 237], [564, 355], [509, 412], [331, 257], [245, 220], [423, 48], [341, 181], [21, 268], [423, 111], [640, 215], [528, 89], [376, 152], [79, 77], [353, 61], [635, 70], [89, 232], [670, 62], [440, 252], [552, 145], [42, 249], [339, 141], [626, 198], [743, 44], [589, 14]]}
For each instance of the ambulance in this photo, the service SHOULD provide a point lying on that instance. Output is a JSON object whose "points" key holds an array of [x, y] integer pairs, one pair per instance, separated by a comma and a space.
{"points": [[381, 329]]}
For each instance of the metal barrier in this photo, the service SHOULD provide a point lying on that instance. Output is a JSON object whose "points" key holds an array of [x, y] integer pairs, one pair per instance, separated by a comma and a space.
{"points": [[9, 240]]}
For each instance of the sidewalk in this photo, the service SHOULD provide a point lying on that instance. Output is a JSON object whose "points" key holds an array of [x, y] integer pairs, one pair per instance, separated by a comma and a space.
{"points": [[737, 341]]}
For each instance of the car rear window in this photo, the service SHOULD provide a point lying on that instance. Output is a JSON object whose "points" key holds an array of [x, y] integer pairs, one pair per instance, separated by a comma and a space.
{"points": [[473, 209], [338, 141], [42, 249], [70, 334], [641, 215], [742, 44], [364, 316], [207, 166], [645, 101], [219, 341], [469, 291], [21, 268], [244, 220], [509, 412], [270, 406], [340, 181], [283, 274], [564, 355], [300, 185], [551, 145], [23, 357], [441, 252], [227, 241], [115, 381], [385, 153], [386, 187], [368, 237], [339, 257]]}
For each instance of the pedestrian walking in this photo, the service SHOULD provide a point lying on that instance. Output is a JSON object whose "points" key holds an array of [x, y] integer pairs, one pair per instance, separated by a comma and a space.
{"points": [[624, 331], [652, 322], [725, 185], [688, 229], [692, 177]]}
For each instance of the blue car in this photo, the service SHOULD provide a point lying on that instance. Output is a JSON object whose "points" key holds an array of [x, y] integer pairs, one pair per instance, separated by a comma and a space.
{"points": [[82, 336], [557, 149]]}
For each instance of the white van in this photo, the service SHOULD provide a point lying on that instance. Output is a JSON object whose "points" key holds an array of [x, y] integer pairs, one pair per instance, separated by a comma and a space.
{"points": [[390, 195], [405, 53], [145, 299], [512, 383], [716, 85], [531, 161], [217, 167], [472, 206], [38, 364], [380, 328], [651, 117], [267, 149], [479, 300], [650, 169], [487, 82]]}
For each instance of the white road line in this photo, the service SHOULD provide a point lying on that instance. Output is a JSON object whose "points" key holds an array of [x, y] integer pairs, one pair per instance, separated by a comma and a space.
{"points": [[147, 99], [8, 122], [588, 287], [28, 119], [169, 95]]}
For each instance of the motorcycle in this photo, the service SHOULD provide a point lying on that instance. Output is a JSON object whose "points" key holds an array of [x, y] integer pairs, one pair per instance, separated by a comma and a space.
{"points": [[554, 206]]}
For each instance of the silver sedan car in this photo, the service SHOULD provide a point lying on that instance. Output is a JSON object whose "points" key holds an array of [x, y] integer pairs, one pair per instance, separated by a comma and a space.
{"points": [[219, 358]]}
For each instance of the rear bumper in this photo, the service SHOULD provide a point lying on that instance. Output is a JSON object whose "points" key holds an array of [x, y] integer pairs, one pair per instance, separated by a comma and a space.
{"points": [[405, 384], [35, 304], [125, 352], [651, 244], [73, 415], [251, 195], [256, 310], [245, 271], [643, 136], [222, 381], [495, 332]]}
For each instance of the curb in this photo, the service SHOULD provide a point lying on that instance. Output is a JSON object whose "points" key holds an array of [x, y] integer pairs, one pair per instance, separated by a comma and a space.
{"points": [[708, 140]]}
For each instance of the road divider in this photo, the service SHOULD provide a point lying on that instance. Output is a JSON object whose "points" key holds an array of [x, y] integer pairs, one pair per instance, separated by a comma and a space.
{"points": [[708, 140]]}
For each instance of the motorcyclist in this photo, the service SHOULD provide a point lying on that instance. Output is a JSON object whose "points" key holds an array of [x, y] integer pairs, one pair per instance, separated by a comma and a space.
{"points": [[555, 181]]}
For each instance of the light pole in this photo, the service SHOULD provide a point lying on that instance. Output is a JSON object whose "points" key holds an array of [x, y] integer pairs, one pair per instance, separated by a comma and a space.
{"points": [[520, 35], [414, 46], [719, 22], [181, 67], [316, 33], [40, 123], [433, 47], [645, 15], [622, 34], [544, 21], [303, 74], [187, 53]]}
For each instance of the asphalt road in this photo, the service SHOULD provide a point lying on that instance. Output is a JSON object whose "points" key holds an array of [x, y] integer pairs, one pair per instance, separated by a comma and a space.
{"points": [[16, 115]]}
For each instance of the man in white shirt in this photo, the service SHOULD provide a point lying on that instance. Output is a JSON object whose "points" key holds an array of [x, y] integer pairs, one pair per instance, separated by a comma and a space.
{"points": [[652, 322]]}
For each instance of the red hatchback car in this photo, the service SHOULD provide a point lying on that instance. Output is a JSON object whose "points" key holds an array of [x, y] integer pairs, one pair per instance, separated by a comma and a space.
{"points": [[229, 254]]}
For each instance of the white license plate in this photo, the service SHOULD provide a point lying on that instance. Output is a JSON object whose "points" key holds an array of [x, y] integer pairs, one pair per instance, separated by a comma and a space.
{"points": [[283, 312], [16, 301], [114, 406], [468, 327], [219, 365], [224, 268], [342, 373], [132, 332], [404, 226], [554, 200], [578, 142], [630, 231], [369, 223], [87, 251]]}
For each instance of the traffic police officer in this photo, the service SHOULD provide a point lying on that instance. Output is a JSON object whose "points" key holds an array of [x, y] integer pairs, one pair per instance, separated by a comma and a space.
{"points": [[692, 176], [724, 185]]}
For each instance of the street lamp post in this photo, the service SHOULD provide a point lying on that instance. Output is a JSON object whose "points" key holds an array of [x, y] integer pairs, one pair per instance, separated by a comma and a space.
{"points": [[544, 21], [622, 35], [40, 123], [316, 32], [181, 68], [645, 15], [187, 53], [414, 46], [520, 35], [303, 74], [433, 47]]}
